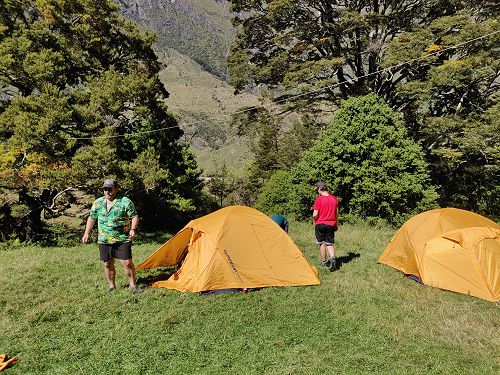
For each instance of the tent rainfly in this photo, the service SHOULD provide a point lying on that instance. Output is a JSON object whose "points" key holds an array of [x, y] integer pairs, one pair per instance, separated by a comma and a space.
{"points": [[451, 249], [234, 247]]}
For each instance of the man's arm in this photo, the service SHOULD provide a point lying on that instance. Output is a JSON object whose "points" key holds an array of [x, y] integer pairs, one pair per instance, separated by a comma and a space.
{"points": [[133, 228], [336, 218], [88, 228], [315, 214]]}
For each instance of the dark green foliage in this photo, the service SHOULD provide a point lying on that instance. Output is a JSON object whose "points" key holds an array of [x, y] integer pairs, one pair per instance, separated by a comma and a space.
{"points": [[199, 29], [75, 81], [309, 45], [226, 189], [246, 191], [467, 160], [296, 139], [450, 103], [221, 185], [276, 142], [275, 195], [266, 150], [435, 61], [262, 129], [368, 162]]}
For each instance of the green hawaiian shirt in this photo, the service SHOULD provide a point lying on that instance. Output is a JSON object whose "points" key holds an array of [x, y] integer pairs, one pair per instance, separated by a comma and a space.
{"points": [[113, 226]]}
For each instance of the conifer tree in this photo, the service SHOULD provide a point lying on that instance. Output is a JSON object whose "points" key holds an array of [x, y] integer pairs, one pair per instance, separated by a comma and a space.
{"points": [[80, 100]]}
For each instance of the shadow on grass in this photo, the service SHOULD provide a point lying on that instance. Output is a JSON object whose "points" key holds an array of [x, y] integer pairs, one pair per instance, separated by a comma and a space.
{"points": [[346, 259], [158, 274]]}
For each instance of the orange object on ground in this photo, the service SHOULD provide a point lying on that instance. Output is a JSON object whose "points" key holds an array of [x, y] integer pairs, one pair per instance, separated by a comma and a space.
{"points": [[451, 249], [234, 247], [4, 362]]}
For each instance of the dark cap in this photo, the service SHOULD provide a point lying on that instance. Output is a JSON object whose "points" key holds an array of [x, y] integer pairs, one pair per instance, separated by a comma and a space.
{"points": [[109, 184], [321, 185]]}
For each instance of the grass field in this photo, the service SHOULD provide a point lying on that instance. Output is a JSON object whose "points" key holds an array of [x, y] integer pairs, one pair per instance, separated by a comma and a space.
{"points": [[365, 318]]}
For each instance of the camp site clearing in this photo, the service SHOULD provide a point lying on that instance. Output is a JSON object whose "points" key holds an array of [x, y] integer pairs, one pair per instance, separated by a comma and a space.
{"points": [[365, 318]]}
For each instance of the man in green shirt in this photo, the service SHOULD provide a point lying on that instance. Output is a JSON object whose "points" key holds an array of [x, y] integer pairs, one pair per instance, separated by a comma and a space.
{"points": [[117, 223]]}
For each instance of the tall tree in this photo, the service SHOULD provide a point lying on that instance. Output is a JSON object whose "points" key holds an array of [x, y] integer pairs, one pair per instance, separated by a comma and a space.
{"points": [[221, 185], [80, 100], [276, 142], [436, 61], [450, 106], [335, 49]]}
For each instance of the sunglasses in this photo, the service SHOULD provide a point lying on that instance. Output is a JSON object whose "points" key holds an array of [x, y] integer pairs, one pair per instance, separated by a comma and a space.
{"points": [[108, 189]]}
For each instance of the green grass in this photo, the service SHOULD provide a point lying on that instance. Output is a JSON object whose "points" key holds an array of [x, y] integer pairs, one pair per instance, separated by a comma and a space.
{"points": [[365, 318]]}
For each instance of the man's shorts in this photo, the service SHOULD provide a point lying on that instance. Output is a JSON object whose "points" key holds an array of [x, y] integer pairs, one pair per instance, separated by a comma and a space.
{"points": [[325, 234], [117, 250]]}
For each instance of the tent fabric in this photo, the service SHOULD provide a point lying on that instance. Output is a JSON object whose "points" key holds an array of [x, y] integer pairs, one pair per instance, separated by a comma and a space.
{"points": [[6, 361], [450, 249], [234, 247], [465, 261]]}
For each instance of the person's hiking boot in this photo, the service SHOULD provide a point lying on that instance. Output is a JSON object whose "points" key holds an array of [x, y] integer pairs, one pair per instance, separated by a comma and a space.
{"points": [[332, 264], [136, 289], [324, 263]]}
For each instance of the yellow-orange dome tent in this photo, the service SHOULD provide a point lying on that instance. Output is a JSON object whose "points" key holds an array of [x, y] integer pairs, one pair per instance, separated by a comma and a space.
{"points": [[234, 247], [450, 249]]}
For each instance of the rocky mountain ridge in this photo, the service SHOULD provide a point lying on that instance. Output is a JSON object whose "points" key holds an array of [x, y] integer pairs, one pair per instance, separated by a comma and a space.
{"points": [[201, 30]]}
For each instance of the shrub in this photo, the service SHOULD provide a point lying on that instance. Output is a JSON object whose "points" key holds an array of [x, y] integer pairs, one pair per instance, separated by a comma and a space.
{"points": [[275, 194], [368, 162]]}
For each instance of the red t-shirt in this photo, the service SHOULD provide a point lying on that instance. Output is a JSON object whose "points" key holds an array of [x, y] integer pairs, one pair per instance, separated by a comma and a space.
{"points": [[326, 205]]}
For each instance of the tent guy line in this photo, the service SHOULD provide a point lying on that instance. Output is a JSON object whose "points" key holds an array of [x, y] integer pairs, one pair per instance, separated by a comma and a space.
{"points": [[248, 109]]}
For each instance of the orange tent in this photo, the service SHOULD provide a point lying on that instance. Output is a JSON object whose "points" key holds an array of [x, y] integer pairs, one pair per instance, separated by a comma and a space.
{"points": [[450, 249], [234, 247]]}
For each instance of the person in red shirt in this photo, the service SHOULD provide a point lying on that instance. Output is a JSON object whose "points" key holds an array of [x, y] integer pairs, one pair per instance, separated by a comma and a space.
{"points": [[325, 216]]}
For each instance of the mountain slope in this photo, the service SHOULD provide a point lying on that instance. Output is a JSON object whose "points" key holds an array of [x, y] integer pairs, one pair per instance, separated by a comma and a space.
{"points": [[201, 30], [204, 104], [193, 38]]}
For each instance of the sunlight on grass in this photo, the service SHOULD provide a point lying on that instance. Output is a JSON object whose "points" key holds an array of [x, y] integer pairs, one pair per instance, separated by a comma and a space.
{"points": [[364, 318]]}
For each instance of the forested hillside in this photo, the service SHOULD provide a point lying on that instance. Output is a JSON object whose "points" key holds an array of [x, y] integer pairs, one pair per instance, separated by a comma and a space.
{"points": [[199, 29], [86, 94], [204, 104]]}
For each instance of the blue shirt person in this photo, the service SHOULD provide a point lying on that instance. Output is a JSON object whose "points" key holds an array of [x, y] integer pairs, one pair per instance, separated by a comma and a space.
{"points": [[282, 221]]}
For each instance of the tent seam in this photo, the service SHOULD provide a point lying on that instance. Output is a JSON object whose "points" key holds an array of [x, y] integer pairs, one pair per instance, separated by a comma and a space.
{"points": [[480, 269], [206, 267], [261, 248]]}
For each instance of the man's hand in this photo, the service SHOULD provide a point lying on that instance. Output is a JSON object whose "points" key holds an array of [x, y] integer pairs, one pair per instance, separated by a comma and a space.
{"points": [[131, 234], [88, 228]]}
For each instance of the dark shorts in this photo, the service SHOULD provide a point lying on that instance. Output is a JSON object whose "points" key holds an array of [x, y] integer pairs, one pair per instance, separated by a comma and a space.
{"points": [[325, 234], [116, 250]]}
